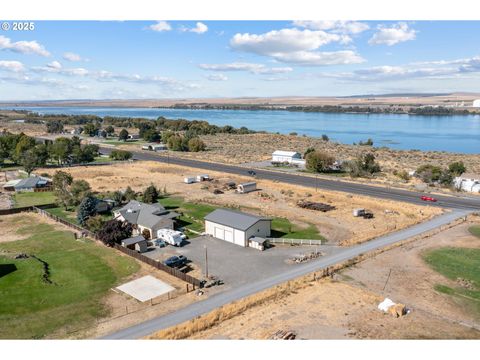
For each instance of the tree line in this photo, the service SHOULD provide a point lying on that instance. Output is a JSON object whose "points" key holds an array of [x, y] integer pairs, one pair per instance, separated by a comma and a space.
{"points": [[24, 150]]}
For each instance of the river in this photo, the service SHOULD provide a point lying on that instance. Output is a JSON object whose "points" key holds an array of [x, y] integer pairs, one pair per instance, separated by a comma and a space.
{"points": [[458, 133]]}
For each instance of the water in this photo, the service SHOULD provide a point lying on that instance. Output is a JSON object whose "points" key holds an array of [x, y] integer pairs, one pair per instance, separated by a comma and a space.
{"points": [[460, 133]]}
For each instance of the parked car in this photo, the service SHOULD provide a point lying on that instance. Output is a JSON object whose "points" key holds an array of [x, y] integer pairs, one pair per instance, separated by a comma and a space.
{"points": [[176, 261], [252, 173], [428, 198]]}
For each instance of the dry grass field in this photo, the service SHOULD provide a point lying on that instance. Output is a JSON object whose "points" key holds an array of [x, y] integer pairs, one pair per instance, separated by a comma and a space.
{"points": [[345, 306], [273, 199]]}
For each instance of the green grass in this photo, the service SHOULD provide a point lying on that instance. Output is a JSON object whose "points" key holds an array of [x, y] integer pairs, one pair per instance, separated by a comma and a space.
{"points": [[283, 228], [67, 215], [193, 214], [475, 230], [456, 263], [22, 199], [82, 272]]}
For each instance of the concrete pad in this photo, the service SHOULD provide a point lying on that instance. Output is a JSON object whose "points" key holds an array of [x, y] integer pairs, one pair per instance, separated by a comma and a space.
{"points": [[145, 288]]}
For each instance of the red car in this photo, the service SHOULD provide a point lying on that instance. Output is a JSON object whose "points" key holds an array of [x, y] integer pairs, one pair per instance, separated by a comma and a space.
{"points": [[428, 198]]}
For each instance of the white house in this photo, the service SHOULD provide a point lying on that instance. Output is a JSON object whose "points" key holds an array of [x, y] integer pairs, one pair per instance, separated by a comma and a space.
{"points": [[476, 103], [286, 156], [467, 182], [236, 227]]}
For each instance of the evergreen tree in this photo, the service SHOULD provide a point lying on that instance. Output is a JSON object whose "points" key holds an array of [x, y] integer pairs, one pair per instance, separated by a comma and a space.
{"points": [[86, 209]]}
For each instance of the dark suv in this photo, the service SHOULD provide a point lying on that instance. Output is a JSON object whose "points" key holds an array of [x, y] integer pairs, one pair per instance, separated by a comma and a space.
{"points": [[176, 261]]}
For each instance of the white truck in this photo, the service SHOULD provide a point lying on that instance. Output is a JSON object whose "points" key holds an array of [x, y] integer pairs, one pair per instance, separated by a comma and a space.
{"points": [[171, 237]]}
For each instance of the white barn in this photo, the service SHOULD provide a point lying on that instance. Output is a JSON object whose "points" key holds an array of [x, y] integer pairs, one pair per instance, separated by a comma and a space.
{"points": [[467, 182], [236, 227], [286, 156]]}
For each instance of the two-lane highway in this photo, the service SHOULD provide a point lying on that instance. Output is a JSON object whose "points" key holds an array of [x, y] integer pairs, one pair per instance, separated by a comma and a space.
{"points": [[444, 201]]}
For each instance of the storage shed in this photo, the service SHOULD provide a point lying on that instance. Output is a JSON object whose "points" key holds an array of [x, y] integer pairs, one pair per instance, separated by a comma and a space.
{"points": [[236, 227], [246, 187], [286, 156], [137, 243]]}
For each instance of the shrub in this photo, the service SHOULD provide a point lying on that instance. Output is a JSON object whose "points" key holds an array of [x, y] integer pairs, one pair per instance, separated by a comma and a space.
{"points": [[317, 161], [120, 155], [123, 136], [196, 145], [95, 223], [457, 168]]}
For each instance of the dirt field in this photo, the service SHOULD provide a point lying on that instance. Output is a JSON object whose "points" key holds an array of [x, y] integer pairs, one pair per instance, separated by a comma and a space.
{"points": [[346, 307], [273, 199], [415, 100]]}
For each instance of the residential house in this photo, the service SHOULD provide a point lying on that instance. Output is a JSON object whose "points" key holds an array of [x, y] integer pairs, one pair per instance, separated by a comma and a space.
{"points": [[151, 217], [32, 183]]}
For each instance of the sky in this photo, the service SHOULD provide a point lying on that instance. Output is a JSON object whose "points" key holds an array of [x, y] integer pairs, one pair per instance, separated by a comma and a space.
{"points": [[201, 59]]}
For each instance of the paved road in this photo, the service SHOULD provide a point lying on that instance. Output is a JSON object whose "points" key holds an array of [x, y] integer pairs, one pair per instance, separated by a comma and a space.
{"points": [[457, 202], [207, 305]]}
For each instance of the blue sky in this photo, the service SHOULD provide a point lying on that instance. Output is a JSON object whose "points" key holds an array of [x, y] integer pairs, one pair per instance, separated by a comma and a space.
{"points": [[176, 59]]}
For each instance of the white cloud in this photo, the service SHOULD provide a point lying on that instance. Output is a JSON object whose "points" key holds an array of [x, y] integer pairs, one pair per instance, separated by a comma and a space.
{"points": [[70, 56], [296, 46], [249, 67], [217, 77], [160, 26], [199, 28], [318, 58], [15, 66], [440, 69], [392, 35], [337, 26], [23, 47], [54, 65]]}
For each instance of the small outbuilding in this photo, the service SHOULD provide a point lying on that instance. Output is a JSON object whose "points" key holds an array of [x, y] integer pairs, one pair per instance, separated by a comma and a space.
{"points": [[468, 182], [286, 156], [137, 243], [237, 227], [246, 187]]}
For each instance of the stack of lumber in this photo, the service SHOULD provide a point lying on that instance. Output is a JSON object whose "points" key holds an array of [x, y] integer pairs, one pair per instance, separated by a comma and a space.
{"points": [[284, 335], [315, 206]]}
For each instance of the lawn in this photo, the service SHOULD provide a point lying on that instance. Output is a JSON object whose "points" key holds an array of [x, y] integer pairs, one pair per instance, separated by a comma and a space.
{"points": [[456, 263], [283, 228], [22, 199], [193, 214], [81, 273], [475, 230]]}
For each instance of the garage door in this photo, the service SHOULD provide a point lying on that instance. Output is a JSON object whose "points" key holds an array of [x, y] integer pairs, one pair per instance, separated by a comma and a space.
{"points": [[228, 235], [219, 233]]}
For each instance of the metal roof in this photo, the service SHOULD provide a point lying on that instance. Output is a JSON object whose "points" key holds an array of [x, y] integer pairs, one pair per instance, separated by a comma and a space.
{"points": [[31, 182], [133, 240], [286, 153], [234, 219]]}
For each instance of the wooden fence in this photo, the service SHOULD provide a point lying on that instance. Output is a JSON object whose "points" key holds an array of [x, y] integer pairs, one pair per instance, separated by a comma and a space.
{"points": [[23, 209], [156, 264]]}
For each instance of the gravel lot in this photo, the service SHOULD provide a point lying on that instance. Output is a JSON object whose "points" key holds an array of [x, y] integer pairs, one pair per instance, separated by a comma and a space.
{"points": [[234, 264]]}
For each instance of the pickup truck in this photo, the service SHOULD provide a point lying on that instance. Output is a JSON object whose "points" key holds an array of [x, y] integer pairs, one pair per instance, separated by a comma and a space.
{"points": [[176, 261]]}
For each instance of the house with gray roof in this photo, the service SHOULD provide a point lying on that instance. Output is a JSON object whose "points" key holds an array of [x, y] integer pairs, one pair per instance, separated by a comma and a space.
{"points": [[151, 217], [237, 227], [28, 184]]}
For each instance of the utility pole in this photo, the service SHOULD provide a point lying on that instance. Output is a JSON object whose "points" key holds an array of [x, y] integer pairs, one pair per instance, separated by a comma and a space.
{"points": [[316, 183], [206, 261]]}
